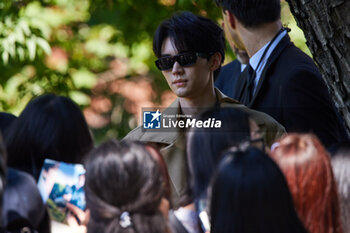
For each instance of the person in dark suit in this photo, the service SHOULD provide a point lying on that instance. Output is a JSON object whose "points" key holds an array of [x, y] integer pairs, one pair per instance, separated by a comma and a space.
{"points": [[280, 79]]}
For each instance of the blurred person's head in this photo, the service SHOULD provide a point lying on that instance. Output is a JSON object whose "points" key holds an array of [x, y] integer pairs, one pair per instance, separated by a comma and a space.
{"points": [[252, 13], [205, 146], [341, 169], [232, 37], [23, 208], [3, 158], [190, 50], [6, 119], [235, 43], [250, 194], [250, 23], [51, 127], [307, 167], [124, 189]]}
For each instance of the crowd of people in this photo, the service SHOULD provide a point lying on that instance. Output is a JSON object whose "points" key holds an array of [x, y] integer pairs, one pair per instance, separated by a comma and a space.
{"points": [[279, 163]]}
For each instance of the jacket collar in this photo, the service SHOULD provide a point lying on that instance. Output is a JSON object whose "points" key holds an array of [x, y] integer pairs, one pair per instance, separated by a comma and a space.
{"points": [[284, 43], [222, 98]]}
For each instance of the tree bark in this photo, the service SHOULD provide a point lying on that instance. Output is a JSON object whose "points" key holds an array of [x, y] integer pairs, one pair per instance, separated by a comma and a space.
{"points": [[326, 25]]}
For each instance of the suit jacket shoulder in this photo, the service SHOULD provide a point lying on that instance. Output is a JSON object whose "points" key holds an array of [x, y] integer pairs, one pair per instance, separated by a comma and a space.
{"points": [[291, 90], [228, 76]]}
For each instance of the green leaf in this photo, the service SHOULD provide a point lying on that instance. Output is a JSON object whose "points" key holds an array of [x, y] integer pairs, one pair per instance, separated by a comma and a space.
{"points": [[12, 50], [98, 47], [5, 57], [5, 44], [31, 45], [20, 52], [44, 45], [19, 34], [11, 38], [79, 97], [36, 89], [84, 79], [120, 50], [8, 22], [12, 85], [25, 27]]}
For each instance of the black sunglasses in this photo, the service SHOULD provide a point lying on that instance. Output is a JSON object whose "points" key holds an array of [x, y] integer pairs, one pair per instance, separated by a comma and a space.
{"points": [[184, 59]]}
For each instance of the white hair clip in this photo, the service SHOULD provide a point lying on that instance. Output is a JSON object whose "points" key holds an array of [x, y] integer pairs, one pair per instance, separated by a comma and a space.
{"points": [[125, 219]]}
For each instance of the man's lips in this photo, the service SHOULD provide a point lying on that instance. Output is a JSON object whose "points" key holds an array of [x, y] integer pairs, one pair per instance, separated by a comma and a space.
{"points": [[180, 82]]}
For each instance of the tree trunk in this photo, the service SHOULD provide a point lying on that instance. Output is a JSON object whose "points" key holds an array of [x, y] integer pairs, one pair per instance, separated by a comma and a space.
{"points": [[326, 25]]}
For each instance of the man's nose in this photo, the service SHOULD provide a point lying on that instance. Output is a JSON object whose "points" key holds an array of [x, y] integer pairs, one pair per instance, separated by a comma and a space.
{"points": [[177, 69]]}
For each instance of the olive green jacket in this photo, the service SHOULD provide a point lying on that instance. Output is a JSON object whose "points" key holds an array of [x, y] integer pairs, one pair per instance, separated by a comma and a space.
{"points": [[172, 144]]}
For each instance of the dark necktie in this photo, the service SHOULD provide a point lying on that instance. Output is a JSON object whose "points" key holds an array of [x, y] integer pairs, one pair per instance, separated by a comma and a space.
{"points": [[249, 85]]}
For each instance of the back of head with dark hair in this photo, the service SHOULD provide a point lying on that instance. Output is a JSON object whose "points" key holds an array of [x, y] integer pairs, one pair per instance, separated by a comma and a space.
{"points": [[49, 127], [252, 13], [3, 158], [250, 194], [6, 119], [205, 146], [123, 178], [23, 206], [191, 33]]}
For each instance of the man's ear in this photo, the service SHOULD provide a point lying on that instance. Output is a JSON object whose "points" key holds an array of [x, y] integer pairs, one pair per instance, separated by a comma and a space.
{"points": [[215, 61], [230, 18]]}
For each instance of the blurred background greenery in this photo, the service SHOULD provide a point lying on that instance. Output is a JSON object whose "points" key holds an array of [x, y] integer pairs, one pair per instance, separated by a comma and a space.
{"points": [[97, 52]]}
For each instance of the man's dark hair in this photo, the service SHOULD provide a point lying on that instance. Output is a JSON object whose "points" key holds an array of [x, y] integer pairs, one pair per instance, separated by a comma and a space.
{"points": [[252, 13], [190, 33]]}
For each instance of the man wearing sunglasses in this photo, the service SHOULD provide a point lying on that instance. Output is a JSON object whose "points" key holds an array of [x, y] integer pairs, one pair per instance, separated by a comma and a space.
{"points": [[190, 51]]}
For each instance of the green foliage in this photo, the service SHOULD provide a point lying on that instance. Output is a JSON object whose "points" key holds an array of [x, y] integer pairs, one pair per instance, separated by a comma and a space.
{"points": [[296, 34], [22, 38], [68, 47]]}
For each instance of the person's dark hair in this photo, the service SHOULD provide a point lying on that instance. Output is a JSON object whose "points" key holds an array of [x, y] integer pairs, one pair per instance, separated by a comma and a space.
{"points": [[252, 13], [191, 33], [23, 206], [49, 127], [124, 189], [3, 171], [205, 146], [250, 194], [6, 119]]}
